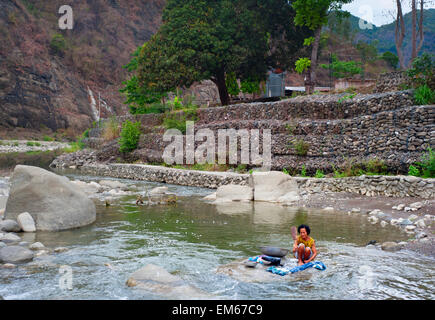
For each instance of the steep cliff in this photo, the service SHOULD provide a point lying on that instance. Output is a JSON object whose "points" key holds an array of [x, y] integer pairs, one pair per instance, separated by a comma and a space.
{"points": [[51, 78]]}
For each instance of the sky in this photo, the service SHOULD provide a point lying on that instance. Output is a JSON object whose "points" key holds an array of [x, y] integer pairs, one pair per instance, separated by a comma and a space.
{"points": [[378, 12]]}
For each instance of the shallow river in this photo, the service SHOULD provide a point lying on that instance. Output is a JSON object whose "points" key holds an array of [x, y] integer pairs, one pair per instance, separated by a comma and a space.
{"points": [[193, 238]]}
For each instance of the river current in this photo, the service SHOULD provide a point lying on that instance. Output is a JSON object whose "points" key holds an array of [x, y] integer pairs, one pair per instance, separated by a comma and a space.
{"points": [[193, 238]]}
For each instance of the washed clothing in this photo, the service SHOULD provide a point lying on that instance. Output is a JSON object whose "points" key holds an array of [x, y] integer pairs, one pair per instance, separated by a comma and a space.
{"points": [[282, 271]]}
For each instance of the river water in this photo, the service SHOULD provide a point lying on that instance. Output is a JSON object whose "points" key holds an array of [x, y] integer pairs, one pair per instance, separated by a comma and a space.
{"points": [[193, 238]]}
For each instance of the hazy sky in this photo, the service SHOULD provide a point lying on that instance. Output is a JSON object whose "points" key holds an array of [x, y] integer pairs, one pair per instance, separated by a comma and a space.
{"points": [[376, 11]]}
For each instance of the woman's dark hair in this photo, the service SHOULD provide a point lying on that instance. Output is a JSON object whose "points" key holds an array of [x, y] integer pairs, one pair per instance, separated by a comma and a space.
{"points": [[304, 226]]}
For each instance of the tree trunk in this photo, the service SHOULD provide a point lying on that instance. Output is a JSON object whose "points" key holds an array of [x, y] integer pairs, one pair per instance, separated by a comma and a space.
{"points": [[314, 55], [219, 80], [420, 30], [400, 34], [414, 30], [416, 48]]}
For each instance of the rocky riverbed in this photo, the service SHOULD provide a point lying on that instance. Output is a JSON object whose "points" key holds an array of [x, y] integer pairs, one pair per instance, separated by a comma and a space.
{"points": [[10, 146]]}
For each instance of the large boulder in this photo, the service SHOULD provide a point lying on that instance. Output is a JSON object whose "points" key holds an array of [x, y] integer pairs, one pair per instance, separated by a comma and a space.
{"points": [[53, 201], [15, 254], [274, 186], [232, 192]]}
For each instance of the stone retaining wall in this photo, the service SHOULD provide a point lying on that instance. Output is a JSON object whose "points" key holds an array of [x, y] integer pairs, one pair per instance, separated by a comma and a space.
{"points": [[391, 186], [334, 127], [391, 81]]}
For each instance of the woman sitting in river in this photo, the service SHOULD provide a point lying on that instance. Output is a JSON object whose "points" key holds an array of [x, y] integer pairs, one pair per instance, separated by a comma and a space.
{"points": [[304, 247]]}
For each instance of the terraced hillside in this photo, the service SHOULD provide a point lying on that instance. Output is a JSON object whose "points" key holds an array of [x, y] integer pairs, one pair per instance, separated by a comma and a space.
{"points": [[334, 130]]}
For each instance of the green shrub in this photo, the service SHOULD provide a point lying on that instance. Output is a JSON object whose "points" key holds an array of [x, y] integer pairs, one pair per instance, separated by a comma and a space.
{"points": [[178, 120], [130, 134], [376, 166], [413, 171], [301, 147], [149, 108], [303, 171], [58, 44], [319, 174], [427, 164], [346, 97], [29, 144], [422, 70], [47, 138], [284, 170], [424, 95]]}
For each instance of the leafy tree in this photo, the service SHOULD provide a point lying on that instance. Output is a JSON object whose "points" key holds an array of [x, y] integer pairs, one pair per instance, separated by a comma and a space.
{"points": [[314, 15], [422, 70], [211, 39], [391, 58], [137, 96], [250, 86], [232, 85], [130, 134], [343, 69], [201, 40], [302, 65]]}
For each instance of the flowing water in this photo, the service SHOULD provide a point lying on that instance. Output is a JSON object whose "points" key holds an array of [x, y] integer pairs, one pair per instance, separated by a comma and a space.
{"points": [[193, 238]]}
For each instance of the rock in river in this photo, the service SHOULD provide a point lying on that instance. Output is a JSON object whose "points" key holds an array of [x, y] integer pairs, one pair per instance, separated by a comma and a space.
{"points": [[52, 200], [157, 280], [9, 225], [274, 186], [15, 254], [26, 223]]}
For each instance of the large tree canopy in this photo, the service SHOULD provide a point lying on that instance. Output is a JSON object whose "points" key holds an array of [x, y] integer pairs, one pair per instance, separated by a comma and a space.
{"points": [[314, 15], [210, 39]]}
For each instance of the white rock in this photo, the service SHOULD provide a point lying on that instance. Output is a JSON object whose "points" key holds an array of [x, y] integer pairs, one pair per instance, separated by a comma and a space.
{"points": [[8, 266], [410, 228], [374, 212], [26, 222], [420, 223], [416, 205], [9, 237], [328, 209], [394, 222], [384, 223], [274, 186], [53, 201], [232, 192], [407, 209], [373, 219], [37, 246], [355, 210], [391, 246], [113, 184], [210, 197], [400, 206], [158, 190]]}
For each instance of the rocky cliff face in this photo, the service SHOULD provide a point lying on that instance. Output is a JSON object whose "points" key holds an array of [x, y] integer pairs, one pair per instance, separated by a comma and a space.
{"points": [[52, 79]]}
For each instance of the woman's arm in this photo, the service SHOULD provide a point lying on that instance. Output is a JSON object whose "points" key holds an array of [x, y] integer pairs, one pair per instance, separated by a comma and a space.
{"points": [[295, 245]]}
